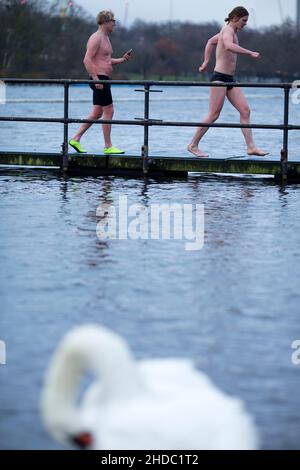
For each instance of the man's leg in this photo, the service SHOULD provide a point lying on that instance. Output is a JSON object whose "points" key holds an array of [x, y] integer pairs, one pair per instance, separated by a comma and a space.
{"points": [[94, 115], [108, 112], [109, 149], [238, 100], [216, 103]]}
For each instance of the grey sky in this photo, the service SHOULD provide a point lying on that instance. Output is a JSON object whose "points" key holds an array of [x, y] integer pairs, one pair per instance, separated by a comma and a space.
{"points": [[262, 13]]}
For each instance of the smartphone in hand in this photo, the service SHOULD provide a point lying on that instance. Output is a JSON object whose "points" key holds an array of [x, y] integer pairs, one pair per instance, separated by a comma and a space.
{"points": [[129, 52]]}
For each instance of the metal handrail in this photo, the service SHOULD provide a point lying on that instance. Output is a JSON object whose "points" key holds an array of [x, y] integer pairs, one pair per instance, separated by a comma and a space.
{"points": [[62, 81], [146, 122]]}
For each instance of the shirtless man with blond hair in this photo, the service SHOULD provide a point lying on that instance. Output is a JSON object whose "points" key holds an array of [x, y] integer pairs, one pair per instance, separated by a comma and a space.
{"points": [[226, 59], [99, 63]]}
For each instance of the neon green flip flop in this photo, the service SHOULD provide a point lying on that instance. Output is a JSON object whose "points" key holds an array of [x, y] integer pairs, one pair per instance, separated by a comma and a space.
{"points": [[76, 145], [113, 151]]}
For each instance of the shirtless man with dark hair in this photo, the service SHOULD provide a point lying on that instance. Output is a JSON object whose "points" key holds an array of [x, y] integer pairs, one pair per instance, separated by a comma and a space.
{"points": [[226, 59]]}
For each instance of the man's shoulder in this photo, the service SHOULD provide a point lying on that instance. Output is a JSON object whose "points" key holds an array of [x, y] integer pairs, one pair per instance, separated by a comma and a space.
{"points": [[95, 37], [227, 30], [227, 33]]}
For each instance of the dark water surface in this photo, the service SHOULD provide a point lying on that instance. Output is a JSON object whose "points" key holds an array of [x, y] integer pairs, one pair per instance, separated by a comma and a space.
{"points": [[232, 307]]}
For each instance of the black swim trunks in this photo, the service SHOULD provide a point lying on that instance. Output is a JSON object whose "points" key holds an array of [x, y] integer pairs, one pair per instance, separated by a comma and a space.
{"points": [[102, 97], [223, 77]]}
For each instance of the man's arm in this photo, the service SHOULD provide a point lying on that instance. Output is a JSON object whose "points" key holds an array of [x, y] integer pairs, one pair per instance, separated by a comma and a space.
{"points": [[211, 44], [121, 60], [228, 39]]}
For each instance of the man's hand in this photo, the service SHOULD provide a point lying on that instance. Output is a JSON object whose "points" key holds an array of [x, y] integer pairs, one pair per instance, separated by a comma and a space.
{"points": [[126, 57], [203, 67], [255, 55], [99, 86]]}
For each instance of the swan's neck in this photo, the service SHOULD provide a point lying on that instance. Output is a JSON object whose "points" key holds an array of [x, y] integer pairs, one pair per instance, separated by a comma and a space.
{"points": [[96, 350]]}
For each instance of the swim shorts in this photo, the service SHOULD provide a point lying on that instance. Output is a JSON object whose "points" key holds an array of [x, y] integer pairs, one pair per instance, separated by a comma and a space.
{"points": [[102, 97], [223, 77]]}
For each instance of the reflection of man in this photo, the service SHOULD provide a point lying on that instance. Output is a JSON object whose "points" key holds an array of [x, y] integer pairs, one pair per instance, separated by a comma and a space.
{"points": [[226, 54], [99, 64]]}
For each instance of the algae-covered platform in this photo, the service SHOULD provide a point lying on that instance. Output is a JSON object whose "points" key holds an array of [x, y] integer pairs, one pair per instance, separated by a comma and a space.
{"points": [[177, 165]]}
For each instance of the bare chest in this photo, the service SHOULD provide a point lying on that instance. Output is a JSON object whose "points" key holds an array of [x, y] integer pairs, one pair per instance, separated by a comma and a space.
{"points": [[105, 49], [221, 44]]}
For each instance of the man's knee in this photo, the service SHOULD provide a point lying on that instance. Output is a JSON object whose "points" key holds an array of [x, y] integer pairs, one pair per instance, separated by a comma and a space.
{"points": [[245, 112], [108, 112], [96, 114], [214, 116]]}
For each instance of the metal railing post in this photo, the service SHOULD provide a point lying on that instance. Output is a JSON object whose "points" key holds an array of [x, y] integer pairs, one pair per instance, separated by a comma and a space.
{"points": [[285, 148], [66, 127], [145, 147]]}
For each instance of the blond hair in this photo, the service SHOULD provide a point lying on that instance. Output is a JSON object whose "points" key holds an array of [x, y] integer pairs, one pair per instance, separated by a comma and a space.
{"points": [[105, 16]]}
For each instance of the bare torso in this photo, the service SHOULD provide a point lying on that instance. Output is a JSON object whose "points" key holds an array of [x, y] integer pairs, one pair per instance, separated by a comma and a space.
{"points": [[226, 60], [102, 57]]}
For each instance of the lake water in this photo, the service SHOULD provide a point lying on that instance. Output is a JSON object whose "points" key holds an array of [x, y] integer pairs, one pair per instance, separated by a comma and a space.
{"points": [[232, 307]]}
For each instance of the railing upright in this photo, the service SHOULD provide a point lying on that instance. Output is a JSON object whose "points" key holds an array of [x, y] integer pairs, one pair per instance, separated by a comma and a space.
{"points": [[66, 127], [285, 148], [145, 148]]}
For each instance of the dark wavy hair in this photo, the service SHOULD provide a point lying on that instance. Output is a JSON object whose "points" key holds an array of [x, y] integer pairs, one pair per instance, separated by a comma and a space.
{"points": [[237, 12]]}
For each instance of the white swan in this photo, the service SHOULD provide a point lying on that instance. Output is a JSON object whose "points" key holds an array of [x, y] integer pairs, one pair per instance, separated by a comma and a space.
{"points": [[148, 404]]}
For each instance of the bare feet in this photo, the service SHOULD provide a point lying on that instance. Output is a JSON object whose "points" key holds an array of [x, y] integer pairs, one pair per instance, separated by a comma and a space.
{"points": [[196, 151], [257, 152]]}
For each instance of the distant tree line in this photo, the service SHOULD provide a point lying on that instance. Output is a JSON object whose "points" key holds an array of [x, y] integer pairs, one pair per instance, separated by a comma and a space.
{"points": [[44, 40]]}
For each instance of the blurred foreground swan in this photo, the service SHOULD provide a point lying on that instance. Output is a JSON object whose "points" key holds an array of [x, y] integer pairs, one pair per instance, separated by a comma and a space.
{"points": [[148, 404]]}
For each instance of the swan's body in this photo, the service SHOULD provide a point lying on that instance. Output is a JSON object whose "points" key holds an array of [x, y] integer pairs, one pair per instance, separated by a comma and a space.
{"points": [[150, 404]]}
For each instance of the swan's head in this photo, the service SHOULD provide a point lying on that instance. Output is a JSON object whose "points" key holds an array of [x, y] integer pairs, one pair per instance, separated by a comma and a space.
{"points": [[81, 439], [66, 423]]}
